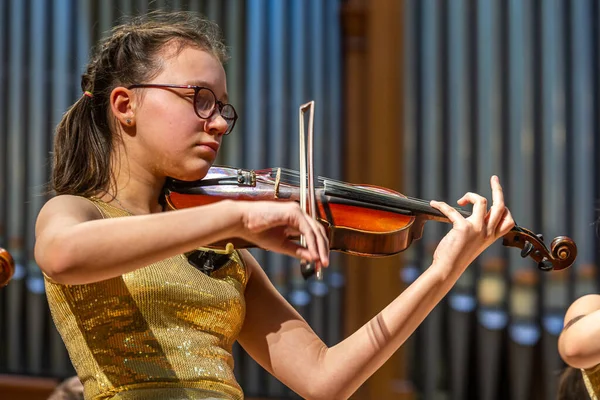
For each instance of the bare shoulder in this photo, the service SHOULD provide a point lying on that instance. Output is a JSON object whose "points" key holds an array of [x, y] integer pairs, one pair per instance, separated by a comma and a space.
{"points": [[583, 306], [68, 209]]}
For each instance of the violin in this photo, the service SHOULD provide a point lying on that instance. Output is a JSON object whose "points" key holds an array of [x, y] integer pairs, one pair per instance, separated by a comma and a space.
{"points": [[364, 220], [359, 219], [7, 267]]}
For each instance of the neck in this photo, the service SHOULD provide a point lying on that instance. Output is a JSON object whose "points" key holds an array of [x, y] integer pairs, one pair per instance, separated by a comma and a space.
{"points": [[135, 189]]}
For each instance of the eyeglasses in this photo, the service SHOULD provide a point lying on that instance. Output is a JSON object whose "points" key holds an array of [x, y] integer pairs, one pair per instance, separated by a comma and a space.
{"points": [[205, 102]]}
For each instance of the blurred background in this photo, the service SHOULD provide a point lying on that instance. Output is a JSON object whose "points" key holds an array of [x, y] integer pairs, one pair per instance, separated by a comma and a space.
{"points": [[426, 97]]}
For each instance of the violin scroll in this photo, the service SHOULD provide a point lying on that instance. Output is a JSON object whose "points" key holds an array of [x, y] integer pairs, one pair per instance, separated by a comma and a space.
{"points": [[564, 249], [7, 267], [561, 255]]}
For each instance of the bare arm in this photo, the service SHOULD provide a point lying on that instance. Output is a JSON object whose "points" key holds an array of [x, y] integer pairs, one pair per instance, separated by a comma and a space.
{"points": [[284, 344], [579, 342], [75, 246]]}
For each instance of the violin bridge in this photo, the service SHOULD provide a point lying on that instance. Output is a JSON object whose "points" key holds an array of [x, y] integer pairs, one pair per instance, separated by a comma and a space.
{"points": [[277, 183]]}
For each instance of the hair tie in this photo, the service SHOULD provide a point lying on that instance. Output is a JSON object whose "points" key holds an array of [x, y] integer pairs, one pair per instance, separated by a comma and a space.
{"points": [[88, 94]]}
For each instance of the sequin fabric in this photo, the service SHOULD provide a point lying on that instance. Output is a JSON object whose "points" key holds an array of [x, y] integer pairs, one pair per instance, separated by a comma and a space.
{"points": [[591, 377], [161, 332]]}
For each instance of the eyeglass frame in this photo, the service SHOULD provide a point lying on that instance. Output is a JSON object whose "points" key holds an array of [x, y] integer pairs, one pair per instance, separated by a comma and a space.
{"points": [[218, 103]]}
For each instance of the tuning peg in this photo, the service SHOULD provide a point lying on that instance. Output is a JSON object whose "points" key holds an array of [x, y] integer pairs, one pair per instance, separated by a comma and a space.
{"points": [[545, 265], [527, 248], [540, 236]]}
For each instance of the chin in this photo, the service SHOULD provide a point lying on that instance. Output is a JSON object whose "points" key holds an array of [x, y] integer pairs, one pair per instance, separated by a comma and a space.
{"points": [[194, 173]]}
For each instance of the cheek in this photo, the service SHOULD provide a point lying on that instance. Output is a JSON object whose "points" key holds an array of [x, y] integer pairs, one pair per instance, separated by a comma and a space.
{"points": [[183, 126], [169, 126]]}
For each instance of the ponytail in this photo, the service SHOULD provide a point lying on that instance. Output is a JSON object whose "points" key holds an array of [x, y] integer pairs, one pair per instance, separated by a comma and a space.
{"points": [[82, 149]]}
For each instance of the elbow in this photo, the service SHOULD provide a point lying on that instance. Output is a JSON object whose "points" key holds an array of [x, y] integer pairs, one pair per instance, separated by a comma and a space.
{"points": [[57, 274], [56, 260], [576, 353], [328, 387]]}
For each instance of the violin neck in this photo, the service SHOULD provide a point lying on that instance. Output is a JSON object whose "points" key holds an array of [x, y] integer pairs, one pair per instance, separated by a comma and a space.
{"points": [[394, 203]]}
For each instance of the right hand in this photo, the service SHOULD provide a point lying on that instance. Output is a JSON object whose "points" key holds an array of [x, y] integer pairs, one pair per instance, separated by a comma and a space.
{"points": [[274, 225]]}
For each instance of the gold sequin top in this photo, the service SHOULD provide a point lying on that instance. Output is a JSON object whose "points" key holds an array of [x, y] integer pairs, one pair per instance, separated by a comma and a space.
{"points": [[591, 377], [164, 331]]}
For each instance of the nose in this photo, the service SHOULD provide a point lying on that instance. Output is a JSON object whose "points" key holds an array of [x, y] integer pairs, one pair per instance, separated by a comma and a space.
{"points": [[216, 125]]}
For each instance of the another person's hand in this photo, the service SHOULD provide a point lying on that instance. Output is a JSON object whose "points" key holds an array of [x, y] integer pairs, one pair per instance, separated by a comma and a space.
{"points": [[470, 236], [69, 389]]}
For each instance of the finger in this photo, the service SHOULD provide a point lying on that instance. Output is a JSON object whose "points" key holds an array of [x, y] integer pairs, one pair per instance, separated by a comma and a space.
{"points": [[309, 236], [323, 231], [295, 250], [297, 222], [450, 212], [497, 192], [275, 241], [319, 239], [506, 223], [291, 232], [498, 207], [479, 205], [322, 240]]}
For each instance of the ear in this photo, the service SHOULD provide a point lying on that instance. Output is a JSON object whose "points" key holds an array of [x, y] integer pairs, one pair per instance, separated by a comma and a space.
{"points": [[122, 105]]}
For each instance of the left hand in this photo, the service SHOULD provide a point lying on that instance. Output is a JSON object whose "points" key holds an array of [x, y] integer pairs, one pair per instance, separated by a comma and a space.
{"points": [[470, 236]]}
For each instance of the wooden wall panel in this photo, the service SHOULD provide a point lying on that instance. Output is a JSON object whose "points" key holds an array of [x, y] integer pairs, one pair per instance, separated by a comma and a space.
{"points": [[373, 148]]}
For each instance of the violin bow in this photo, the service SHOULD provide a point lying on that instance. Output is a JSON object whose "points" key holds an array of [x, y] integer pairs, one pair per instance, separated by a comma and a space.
{"points": [[307, 174]]}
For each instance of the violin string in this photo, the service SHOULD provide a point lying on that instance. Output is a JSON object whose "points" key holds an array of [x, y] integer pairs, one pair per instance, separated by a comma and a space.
{"points": [[398, 201], [366, 191], [409, 201], [296, 176]]}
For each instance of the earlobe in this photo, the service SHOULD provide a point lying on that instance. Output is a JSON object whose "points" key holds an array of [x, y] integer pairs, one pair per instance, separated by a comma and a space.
{"points": [[122, 105]]}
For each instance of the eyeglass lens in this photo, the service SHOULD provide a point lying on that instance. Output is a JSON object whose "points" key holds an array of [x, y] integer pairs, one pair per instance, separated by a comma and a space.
{"points": [[206, 102]]}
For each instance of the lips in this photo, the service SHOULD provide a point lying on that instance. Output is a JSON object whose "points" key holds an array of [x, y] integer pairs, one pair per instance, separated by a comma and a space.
{"points": [[212, 145]]}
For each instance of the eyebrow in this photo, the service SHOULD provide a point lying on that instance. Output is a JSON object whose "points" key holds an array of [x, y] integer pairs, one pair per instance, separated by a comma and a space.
{"points": [[225, 97]]}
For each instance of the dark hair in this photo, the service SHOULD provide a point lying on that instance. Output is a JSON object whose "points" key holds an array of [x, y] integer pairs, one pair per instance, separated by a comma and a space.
{"points": [[84, 140], [571, 385]]}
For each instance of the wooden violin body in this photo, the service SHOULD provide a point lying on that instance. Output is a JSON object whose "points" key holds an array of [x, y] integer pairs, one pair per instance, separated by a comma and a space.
{"points": [[359, 219], [7, 267], [351, 228]]}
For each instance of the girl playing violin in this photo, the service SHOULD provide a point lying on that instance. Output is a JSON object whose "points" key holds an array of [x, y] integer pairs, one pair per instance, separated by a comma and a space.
{"points": [[138, 320]]}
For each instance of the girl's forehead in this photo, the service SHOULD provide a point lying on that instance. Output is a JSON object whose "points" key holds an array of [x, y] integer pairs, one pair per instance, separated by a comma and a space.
{"points": [[192, 64]]}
